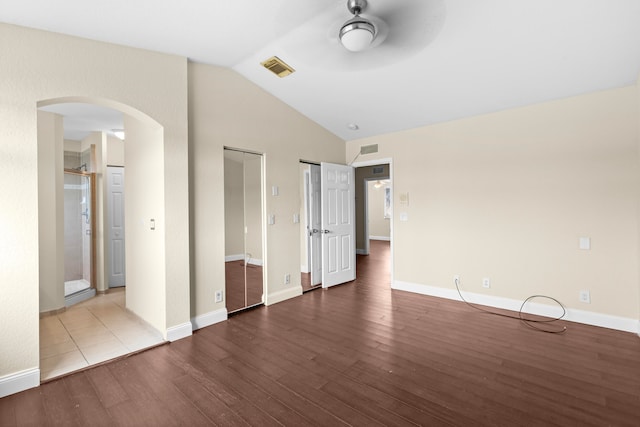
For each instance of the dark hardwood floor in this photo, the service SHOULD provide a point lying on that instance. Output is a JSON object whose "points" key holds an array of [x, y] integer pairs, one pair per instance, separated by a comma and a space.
{"points": [[356, 354], [243, 285], [305, 281]]}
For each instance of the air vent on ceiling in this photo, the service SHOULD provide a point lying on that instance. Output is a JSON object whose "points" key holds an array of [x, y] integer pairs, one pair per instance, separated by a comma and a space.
{"points": [[277, 66], [368, 149]]}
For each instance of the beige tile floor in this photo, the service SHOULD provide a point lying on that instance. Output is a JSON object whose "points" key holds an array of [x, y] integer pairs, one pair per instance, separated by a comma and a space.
{"points": [[91, 332]]}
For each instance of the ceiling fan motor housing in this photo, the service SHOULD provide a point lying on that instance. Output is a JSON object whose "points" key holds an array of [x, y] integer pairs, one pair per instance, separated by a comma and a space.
{"points": [[356, 6]]}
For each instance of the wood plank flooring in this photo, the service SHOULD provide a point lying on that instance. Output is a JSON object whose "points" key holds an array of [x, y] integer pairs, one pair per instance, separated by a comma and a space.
{"points": [[243, 285], [357, 354]]}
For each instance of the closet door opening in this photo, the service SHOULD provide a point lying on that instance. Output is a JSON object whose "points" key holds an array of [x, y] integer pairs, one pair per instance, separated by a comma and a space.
{"points": [[244, 277]]}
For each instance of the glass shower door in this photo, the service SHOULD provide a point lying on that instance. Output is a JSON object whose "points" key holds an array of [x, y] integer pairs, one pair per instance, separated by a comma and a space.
{"points": [[79, 206]]}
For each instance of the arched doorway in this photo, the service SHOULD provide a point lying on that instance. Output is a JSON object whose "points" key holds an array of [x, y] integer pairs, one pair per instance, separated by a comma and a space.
{"points": [[143, 208]]}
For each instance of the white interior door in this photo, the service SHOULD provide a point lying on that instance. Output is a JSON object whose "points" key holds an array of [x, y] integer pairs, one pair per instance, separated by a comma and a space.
{"points": [[338, 224], [315, 224], [115, 226]]}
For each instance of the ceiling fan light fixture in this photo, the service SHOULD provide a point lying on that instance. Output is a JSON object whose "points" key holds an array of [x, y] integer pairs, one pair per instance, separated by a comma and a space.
{"points": [[357, 34]]}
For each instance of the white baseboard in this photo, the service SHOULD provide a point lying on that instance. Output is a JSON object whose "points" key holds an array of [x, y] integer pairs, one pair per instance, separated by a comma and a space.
{"points": [[20, 381], [255, 261], [304, 269], [385, 238], [361, 252], [573, 315], [178, 332], [276, 297], [209, 319]]}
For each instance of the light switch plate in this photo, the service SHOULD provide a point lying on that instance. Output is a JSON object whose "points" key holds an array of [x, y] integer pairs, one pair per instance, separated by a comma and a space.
{"points": [[585, 243]]}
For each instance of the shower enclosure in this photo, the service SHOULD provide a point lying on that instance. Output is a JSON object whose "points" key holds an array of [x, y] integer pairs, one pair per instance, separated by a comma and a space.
{"points": [[79, 236]]}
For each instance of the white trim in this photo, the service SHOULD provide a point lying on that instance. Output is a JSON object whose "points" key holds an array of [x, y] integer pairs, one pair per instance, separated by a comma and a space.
{"points": [[180, 331], [255, 261], [361, 252], [385, 238], [573, 315], [20, 381], [304, 269], [283, 295], [209, 319]]}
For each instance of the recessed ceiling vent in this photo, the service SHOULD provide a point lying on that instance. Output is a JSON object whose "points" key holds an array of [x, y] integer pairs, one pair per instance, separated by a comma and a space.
{"points": [[369, 149], [277, 66]]}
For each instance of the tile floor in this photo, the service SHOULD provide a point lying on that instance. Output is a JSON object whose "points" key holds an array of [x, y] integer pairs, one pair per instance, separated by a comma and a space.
{"points": [[91, 332]]}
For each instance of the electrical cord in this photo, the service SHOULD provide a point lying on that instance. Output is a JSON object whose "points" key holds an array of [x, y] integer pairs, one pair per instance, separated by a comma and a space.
{"points": [[531, 323]]}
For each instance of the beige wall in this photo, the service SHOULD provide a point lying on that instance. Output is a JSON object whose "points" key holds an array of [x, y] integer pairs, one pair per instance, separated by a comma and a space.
{"points": [[145, 247], [115, 151], [50, 211], [508, 195], [378, 224], [38, 66], [227, 110]]}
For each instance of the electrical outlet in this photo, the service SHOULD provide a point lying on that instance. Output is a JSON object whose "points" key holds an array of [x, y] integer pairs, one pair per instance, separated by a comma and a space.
{"points": [[456, 280], [218, 296], [287, 279], [486, 282], [585, 296]]}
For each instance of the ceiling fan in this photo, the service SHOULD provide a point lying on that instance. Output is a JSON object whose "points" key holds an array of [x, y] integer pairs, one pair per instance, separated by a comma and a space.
{"points": [[358, 32], [379, 33]]}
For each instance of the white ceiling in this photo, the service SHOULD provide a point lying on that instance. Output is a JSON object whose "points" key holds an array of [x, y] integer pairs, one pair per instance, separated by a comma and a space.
{"points": [[441, 60], [82, 119]]}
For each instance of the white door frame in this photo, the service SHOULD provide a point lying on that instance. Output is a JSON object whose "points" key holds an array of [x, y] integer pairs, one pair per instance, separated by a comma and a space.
{"points": [[389, 161], [366, 211]]}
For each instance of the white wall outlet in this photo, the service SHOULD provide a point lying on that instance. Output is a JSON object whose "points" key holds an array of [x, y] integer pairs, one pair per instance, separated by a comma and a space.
{"points": [[585, 296], [275, 190], [272, 219], [218, 296], [486, 282], [296, 218], [287, 279]]}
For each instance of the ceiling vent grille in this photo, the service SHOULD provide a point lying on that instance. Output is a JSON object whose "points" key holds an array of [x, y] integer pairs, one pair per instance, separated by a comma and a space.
{"points": [[277, 66], [369, 149]]}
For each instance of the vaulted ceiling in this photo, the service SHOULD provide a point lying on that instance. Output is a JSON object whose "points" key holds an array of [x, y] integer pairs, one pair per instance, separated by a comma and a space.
{"points": [[440, 59]]}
